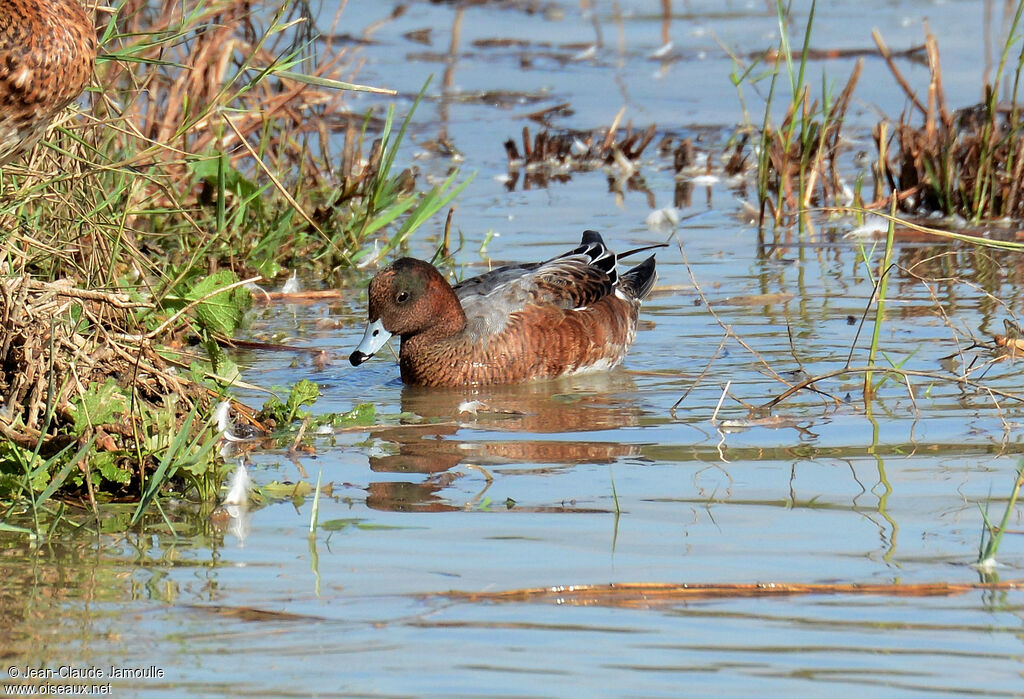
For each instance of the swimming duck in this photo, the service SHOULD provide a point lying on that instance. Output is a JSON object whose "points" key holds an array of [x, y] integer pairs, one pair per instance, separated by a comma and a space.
{"points": [[571, 314]]}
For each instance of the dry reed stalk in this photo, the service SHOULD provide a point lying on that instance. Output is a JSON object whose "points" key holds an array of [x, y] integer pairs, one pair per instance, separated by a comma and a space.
{"points": [[644, 595], [962, 380]]}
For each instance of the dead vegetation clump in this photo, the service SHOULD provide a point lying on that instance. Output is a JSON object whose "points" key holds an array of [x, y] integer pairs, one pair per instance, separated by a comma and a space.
{"points": [[71, 375], [550, 156], [555, 156], [967, 162]]}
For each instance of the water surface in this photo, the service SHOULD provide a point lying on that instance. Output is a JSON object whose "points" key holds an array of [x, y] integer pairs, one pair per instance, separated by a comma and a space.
{"points": [[606, 478]]}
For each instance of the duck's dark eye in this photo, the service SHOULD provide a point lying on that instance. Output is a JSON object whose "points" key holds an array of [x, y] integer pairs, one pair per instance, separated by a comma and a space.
{"points": [[402, 297]]}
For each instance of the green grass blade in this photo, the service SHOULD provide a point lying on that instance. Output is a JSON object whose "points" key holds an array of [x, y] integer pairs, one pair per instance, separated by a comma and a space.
{"points": [[331, 83]]}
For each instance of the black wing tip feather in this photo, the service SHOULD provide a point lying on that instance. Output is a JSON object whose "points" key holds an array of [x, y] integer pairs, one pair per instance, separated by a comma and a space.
{"points": [[639, 280]]}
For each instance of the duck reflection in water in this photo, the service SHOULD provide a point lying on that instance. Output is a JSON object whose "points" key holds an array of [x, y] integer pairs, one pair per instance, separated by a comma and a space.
{"points": [[445, 434]]}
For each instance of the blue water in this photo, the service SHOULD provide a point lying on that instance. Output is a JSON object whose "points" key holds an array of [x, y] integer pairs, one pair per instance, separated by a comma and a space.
{"points": [[596, 479]]}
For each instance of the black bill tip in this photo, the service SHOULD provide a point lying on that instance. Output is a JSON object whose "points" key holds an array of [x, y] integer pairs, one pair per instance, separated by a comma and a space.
{"points": [[358, 358]]}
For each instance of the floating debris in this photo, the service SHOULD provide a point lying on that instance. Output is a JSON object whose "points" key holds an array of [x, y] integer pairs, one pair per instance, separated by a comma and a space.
{"points": [[292, 286], [548, 156], [578, 149], [645, 595], [663, 219], [1012, 343], [662, 51], [873, 227], [240, 488], [586, 54], [232, 427], [471, 406]]}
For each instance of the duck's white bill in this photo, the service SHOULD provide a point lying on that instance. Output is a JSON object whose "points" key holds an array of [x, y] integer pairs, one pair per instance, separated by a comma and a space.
{"points": [[374, 338]]}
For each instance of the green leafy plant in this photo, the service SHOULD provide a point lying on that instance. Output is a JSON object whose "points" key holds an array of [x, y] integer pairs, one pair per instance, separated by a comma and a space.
{"points": [[363, 415], [186, 452], [304, 392]]}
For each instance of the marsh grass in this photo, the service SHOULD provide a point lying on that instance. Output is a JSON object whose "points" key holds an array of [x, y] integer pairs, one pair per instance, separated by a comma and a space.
{"points": [[879, 297], [967, 162], [796, 159], [215, 148], [992, 535]]}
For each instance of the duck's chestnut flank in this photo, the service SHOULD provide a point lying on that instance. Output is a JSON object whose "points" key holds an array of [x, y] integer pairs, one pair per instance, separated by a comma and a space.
{"points": [[568, 315]]}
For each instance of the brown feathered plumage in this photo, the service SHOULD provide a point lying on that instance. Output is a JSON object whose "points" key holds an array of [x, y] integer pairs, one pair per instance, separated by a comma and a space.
{"points": [[47, 50]]}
